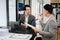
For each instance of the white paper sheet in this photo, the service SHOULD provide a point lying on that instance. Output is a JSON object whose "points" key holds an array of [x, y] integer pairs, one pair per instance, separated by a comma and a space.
{"points": [[19, 36]]}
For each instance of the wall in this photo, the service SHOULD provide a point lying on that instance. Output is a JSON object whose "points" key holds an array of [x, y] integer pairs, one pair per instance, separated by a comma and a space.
{"points": [[59, 1], [46, 1], [54, 1], [34, 7], [3, 14], [27, 2], [20, 1], [12, 10]]}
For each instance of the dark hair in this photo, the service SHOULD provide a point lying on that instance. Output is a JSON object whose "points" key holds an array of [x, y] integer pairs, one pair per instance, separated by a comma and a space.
{"points": [[26, 6], [49, 8]]}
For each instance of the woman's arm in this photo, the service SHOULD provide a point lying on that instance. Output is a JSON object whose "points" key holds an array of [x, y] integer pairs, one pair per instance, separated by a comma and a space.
{"points": [[51, 30], [34, 28]]}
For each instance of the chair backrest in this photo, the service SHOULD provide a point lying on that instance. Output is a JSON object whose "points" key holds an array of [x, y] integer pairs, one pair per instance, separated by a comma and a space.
{"points": [[11, 25]]}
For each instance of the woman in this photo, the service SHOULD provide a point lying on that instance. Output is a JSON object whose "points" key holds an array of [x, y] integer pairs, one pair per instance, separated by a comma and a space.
{"points": [[49, 29]]}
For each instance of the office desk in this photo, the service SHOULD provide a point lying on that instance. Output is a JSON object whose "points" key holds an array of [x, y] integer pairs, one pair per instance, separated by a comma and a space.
{"points": [[14, 36]]}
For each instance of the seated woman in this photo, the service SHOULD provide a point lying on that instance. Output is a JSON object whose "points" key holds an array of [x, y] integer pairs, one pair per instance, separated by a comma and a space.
{"points": [[49, 28]]}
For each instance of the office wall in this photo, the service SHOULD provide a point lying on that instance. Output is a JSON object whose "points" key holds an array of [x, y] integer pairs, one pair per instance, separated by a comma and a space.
{"points": [[46, 1], [23, 1], [54, 1], [34, 7], [59, 1], [20, 1], [3, 14], [12, 10], [27, 2]]}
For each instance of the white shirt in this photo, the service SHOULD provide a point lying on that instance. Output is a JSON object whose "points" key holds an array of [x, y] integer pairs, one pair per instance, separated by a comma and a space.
{"points": [[26, 21]]}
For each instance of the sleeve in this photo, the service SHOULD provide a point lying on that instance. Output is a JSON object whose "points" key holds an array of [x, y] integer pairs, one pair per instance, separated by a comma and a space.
{"points": [[21, 20], [41, 23], [33, 22], [52, 29]]}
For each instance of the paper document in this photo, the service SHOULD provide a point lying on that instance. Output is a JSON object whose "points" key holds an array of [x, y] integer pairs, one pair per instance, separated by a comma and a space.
{"points": [[40, 27], [19, 36], [30, 25]]}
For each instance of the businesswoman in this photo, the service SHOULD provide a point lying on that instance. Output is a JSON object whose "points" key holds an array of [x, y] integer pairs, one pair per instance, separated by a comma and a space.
{"points": [[49, 28]]}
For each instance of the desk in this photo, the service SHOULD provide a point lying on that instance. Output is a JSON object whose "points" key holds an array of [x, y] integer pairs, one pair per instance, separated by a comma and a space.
{"points": [[14, 36]]}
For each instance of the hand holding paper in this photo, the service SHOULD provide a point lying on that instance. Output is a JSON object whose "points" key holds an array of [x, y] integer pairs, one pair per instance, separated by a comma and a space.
{"points": [[39, 17], [30, 25], [34, 28], [24, 25]]}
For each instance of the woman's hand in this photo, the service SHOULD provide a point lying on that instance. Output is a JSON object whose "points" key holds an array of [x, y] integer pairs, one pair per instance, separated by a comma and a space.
{"points": [[39, 17]]}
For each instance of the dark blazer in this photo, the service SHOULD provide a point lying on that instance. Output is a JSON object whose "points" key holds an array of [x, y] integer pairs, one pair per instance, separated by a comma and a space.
{"points": [[31, 21]]}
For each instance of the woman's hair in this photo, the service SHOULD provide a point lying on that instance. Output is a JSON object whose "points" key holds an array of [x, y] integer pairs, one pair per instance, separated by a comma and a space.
{"points": [[49, 8]]}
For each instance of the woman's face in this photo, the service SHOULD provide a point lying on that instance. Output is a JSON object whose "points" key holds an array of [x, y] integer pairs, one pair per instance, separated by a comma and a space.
{"points": [[45, 12]]}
